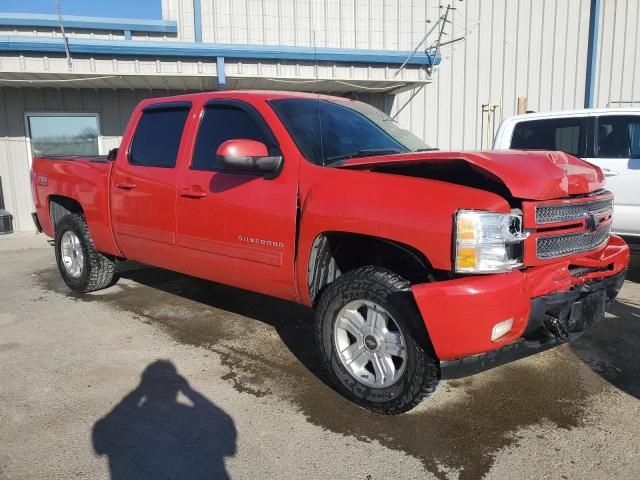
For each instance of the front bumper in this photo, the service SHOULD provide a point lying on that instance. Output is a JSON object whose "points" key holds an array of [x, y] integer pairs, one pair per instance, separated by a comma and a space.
{"points": [[549, 305], [573, 311]]}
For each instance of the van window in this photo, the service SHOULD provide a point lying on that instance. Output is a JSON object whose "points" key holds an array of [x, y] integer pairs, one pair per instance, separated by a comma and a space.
{"points": [[618, 136], [564, 134], [157, 138]]}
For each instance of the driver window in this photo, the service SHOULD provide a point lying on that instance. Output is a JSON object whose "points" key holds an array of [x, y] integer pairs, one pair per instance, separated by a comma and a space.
{"points": [[219, 124]]}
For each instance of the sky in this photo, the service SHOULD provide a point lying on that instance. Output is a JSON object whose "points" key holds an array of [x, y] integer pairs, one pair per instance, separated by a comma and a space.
{"points": [[149, 9]]}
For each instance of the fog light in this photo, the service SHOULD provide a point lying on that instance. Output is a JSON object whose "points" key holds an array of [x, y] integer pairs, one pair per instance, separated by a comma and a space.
{"points": [[501, 329]]}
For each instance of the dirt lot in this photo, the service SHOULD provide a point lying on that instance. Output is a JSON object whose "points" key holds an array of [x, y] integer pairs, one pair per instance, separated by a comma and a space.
{"points": [[166, 376]]}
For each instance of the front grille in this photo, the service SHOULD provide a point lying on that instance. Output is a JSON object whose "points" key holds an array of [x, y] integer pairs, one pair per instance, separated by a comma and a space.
{"points": [[552, 246], [572, 211]]}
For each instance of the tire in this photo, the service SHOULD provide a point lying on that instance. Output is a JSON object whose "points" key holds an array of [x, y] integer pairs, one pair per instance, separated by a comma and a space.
{"points": [[86, 270], [388, 296]]}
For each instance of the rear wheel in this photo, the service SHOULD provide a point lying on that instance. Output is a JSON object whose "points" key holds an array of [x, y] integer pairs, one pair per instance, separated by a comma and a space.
{"points": [[82, 267], [372, 341]]}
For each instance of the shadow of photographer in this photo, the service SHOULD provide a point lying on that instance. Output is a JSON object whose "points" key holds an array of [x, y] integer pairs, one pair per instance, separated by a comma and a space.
{"points": [[165, 429]]}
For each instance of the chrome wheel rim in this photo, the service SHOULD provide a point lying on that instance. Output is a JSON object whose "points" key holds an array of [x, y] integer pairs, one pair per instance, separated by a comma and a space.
{"points": [[71, 254], [370, 344]]}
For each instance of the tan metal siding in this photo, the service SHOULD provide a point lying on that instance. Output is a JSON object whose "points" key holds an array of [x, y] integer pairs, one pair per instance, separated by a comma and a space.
{"points": [[618, 83], [512, 48]]}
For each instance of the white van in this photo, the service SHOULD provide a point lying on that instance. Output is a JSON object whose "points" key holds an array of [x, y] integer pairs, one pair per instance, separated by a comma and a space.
{"points": [[607, 137]]}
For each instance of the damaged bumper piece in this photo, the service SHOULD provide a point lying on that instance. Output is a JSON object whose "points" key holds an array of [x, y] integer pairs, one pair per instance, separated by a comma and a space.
{"points": [[531, 310]]}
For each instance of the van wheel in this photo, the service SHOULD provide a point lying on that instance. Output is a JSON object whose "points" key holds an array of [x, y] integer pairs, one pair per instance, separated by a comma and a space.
{"points": [[82, 267], [373, 343]]}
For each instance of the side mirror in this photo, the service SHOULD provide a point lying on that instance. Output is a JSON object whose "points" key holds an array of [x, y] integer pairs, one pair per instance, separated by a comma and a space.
{"points": [[113, 153], [248, 155]]}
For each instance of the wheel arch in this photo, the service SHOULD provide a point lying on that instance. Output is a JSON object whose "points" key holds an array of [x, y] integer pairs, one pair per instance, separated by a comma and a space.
{"points": [[334, 253], [60, 206]]}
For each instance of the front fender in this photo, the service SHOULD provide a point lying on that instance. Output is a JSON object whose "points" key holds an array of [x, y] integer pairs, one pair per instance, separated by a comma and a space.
{"points": [[412, 211]]}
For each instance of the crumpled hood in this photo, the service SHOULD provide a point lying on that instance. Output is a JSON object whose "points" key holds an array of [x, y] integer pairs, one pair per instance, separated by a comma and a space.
{"points": [[529, 175]]}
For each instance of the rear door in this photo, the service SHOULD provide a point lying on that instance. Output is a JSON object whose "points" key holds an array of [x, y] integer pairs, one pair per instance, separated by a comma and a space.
{"points": [[617, 153], [235, 227], [143, 185]]}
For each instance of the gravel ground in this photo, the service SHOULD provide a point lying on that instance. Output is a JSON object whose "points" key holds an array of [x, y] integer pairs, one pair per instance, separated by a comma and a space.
{"points": [[166, 376]]}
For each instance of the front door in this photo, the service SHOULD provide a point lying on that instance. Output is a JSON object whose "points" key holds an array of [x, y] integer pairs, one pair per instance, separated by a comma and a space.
{"points": [[237, 228], [143, 186], [617, 153]]}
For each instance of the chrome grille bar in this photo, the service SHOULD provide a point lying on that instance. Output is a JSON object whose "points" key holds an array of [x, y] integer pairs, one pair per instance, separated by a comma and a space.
{"points": [[552, 246], [572, 211]]}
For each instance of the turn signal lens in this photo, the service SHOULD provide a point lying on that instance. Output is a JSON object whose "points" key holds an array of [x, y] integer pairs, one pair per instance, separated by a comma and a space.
{"points": [[466, 258], [466, 229]]}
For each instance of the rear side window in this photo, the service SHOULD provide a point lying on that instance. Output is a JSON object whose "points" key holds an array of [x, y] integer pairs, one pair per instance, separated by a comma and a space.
{"points": [[219, 124], [618, 137], [564, 134], [157, 137]]}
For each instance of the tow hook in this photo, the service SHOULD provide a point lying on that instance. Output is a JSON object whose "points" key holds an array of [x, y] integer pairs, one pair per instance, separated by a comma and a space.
{"points": [[556, 327]]}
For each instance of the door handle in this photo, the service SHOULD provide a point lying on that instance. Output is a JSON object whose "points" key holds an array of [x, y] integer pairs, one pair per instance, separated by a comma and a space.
{"points": [[126, 185], [610, 173], [191, 193]]}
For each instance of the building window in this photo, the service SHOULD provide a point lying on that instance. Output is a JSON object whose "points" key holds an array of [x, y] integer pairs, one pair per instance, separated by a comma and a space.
{"points": [[63, 134]]}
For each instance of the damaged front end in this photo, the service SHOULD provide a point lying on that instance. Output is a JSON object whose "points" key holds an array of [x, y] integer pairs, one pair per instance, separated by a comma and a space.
{"points": [[573, 270], [553, 320]]}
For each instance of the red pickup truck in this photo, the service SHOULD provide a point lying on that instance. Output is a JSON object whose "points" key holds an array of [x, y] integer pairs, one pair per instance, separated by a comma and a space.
{"points": [[420, 264]]}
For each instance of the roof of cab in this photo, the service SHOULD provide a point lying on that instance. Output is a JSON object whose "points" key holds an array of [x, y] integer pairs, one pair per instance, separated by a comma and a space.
{"points": [[262, 94], [576, 112]]}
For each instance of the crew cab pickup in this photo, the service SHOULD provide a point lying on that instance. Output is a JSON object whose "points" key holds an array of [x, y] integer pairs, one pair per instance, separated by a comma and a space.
{"points": [[420, 264]]}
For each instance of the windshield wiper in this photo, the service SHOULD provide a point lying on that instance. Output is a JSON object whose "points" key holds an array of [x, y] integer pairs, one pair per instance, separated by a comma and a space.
{"points": [[365, 152], [427, 149]]}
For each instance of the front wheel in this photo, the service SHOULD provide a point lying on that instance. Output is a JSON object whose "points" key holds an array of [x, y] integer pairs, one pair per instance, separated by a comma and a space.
{"points": [[371, 339], [82, 267]]}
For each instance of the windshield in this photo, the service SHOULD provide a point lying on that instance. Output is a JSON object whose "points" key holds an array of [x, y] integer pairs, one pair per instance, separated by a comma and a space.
{"points": [[328, 131]]}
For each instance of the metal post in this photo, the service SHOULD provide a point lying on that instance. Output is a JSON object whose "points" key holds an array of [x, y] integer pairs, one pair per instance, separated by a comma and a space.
{"points": [[592, 54], [1, 196], [197, 20]]}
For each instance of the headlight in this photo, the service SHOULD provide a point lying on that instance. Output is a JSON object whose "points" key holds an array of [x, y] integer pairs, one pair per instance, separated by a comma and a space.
{"points": [[488, 242]]}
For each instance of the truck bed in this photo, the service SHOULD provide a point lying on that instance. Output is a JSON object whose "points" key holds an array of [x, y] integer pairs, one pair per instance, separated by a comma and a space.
{"points": [[85, 179]]}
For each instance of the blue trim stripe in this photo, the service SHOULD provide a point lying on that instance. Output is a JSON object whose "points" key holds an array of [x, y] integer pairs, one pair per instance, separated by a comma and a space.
{"points": [[88, 23], [197, 20], [592, 54], [211, 50]]}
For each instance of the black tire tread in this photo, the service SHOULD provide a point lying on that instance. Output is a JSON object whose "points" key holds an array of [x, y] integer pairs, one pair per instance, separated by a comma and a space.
{"points": [[419, 386], [101, 270]]}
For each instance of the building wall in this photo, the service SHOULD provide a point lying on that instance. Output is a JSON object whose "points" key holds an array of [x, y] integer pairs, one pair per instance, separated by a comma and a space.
{"points": [[113, 107], [618, 74], [513, 48]]}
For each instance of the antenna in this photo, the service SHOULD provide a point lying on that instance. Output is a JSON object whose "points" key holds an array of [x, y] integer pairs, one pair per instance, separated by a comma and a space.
{"points": [[315, 70], [424, 39], [438, 43], [64, 35]]}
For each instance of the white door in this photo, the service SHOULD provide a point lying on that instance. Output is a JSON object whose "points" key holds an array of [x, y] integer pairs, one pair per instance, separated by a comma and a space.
{"points": [[617, 153]]}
